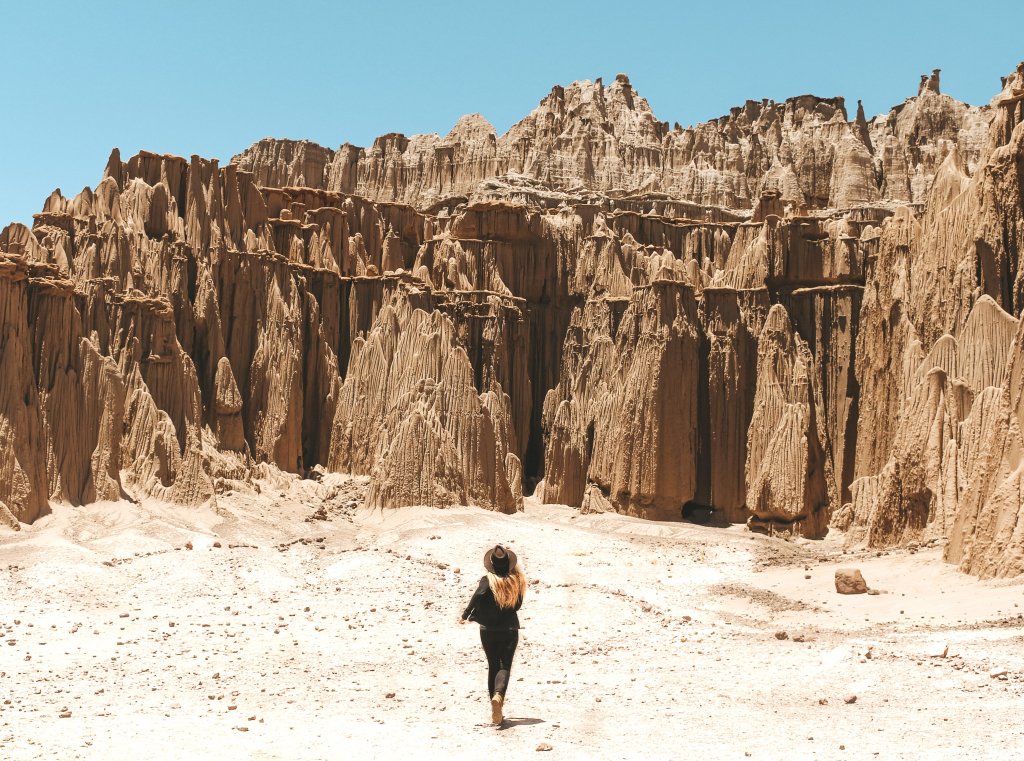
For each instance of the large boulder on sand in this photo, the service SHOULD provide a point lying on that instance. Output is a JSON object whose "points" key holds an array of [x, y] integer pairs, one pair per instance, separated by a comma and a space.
{"points": [[850, 581]]}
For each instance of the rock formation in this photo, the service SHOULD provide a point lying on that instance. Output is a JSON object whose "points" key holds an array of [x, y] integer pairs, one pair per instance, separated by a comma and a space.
{"points": [[588, 138], [788, 316], [624, 425], [789, 477], [409, 414]]}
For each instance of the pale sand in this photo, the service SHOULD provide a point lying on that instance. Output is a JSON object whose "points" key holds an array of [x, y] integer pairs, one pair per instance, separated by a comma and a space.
{"points": [[609, 665]]}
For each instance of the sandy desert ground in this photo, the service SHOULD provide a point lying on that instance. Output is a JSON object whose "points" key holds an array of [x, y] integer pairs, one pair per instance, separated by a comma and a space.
{"points": [[278, 637]]}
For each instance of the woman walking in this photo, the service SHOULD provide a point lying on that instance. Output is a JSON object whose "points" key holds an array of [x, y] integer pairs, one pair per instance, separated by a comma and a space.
{"points": [[494, 604]]}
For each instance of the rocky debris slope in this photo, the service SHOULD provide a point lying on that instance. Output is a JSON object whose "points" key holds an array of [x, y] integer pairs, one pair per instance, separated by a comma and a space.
{"points": [[785, 317]]}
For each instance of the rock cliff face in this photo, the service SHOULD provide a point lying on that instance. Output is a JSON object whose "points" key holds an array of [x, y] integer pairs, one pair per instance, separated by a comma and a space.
{"points": [[789, 316]]}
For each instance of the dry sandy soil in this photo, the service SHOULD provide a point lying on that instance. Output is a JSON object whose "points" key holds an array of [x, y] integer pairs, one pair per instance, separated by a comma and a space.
{"points": [[298, 639]]}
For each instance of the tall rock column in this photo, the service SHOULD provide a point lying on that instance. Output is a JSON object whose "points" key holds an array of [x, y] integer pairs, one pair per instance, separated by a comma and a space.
{"points": [[790, 484], [23, 488], [627, 416]]}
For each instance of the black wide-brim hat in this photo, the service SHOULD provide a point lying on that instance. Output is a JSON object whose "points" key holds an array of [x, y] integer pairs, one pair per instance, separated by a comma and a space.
{"points": [[500, 560]]}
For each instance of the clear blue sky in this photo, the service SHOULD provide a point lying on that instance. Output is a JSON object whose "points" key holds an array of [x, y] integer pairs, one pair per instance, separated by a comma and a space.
{"points": [[212, 77]]}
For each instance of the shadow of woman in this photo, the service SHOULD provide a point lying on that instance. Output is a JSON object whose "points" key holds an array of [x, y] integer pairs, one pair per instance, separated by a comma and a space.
{"points": [[512, 722]]}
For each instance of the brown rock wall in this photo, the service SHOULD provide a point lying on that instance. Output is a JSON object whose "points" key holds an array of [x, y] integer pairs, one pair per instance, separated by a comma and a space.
{"points": [[784, 316]]}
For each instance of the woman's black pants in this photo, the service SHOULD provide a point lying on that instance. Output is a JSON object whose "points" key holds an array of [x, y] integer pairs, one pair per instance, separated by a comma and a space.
{"points": [[500, 647]]}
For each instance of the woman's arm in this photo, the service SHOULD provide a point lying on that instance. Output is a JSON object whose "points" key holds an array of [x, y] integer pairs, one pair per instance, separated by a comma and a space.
{"points": [[481, 588]]}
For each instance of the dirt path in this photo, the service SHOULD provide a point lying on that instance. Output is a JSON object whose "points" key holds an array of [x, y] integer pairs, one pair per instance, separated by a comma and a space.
{"points": [[295, 639]]}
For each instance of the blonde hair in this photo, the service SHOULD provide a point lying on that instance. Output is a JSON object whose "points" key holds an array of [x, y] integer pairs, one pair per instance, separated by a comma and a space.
{"points": [[508, 590]]}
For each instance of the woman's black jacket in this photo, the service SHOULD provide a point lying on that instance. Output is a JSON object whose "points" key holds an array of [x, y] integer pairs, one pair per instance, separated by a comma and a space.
{"points": [[484, 609]]}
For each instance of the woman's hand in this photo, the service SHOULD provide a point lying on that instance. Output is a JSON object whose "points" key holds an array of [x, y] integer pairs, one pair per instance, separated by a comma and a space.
{"points": [[461, 620]]}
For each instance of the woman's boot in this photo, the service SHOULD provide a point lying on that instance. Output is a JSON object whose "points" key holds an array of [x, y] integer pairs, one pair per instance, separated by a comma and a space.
{"points": [[497, 700]]}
